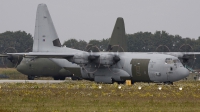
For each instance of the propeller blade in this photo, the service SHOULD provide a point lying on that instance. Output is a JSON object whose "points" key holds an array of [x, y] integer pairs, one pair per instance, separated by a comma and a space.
{"points": [[9, 61], [187, 60]]}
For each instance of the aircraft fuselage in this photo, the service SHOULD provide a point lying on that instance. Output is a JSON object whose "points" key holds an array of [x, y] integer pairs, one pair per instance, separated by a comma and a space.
{"points": [[139, 67]]}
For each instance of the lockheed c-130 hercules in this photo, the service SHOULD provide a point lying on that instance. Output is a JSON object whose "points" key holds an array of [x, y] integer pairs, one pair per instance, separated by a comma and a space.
{"points": [[106, 67]]}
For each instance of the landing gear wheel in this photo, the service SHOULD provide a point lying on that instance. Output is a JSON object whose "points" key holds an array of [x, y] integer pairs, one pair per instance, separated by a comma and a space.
{"points": [[75, 78], [31, 77], [168, 83], [62, 78], [56, 78], [121, 82]]}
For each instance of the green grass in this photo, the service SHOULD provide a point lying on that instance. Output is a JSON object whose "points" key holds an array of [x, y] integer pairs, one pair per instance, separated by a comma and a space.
{"points": [[13, 74], [85, 96]]}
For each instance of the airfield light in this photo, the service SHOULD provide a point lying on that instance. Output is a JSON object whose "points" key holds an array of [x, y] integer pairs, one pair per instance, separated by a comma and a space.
{"points": [[100, 86]]}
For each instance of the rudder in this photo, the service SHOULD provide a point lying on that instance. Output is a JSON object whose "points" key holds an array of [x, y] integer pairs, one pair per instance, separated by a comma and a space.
{"points": [[45, 36], [118, 38]]}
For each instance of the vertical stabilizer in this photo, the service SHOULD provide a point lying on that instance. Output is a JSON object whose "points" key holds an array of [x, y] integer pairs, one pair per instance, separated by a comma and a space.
{"points": [[45, 36], [118, 38]]}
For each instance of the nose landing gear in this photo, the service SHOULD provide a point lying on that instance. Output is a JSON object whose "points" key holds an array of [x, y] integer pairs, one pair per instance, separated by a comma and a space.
{"points": [[168, 83]]}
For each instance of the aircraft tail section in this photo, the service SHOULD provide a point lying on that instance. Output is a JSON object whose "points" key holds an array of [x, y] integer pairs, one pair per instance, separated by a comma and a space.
{"points": [[118, 38], [45, 36]]}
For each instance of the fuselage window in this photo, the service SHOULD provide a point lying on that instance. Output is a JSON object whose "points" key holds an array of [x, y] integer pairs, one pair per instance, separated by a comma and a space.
{"points": [[176, 61], [171, 61]]}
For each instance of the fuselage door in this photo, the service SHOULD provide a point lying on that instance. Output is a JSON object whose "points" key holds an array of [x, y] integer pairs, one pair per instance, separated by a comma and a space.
{"points": [[140, 69], [172, 66]]}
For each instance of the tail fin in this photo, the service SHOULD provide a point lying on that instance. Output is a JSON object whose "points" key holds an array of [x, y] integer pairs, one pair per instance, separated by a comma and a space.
{"points": [[118, 38], [45, 36]]}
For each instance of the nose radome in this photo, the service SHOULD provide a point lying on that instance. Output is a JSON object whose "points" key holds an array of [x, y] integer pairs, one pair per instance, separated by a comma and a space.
{"points": [[183, 72], [21, 68], [179, 74]]}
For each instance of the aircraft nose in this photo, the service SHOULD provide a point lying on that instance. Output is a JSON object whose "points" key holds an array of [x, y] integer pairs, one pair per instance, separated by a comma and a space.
{"points": [[183, 72], [20, 68], [180, 73]]}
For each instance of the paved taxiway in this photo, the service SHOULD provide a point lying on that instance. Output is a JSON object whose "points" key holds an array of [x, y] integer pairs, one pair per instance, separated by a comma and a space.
{"points": [[32, 81]]}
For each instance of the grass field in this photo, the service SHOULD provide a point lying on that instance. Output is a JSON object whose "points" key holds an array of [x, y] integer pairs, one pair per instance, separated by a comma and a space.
{"points": [[85, 96], [13, 74]]}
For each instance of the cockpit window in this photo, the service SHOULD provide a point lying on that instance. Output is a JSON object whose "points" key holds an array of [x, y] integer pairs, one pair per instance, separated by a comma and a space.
{"points": [[176, 61], [171, 61]]}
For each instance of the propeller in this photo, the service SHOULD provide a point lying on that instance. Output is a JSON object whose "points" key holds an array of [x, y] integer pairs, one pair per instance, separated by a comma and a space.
{"points": [[116, 58], [116, 48], [91, 58], [91, 62], [10, 61], [91, 47], [187, 60], [162, 48], [28, 50]]}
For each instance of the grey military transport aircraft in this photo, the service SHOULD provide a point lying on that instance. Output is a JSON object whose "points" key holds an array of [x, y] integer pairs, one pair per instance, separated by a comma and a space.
{"points": [[104, 67], [100, 67]]}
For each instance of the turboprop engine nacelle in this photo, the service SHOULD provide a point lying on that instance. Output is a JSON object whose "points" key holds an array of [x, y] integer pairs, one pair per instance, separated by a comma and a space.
{"points": [[79, 59], [102, 59], [108, 59]]}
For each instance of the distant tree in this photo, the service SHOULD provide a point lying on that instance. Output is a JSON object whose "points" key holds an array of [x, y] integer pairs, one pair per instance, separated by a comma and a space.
{"points": [[20, 40], [75, 44]]}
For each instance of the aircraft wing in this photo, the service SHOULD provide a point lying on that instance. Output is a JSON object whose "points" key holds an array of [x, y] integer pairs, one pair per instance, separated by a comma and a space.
{"points": [[44, 55], [68, 55], [76, 57], [178, 54], [186, 55], [3, 55]]}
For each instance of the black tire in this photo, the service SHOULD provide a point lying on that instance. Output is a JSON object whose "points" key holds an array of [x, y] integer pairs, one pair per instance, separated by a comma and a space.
{"points": [[31, 77], [62, 78], [121, 82], [74, 78], [168, 83], [56, 78]]}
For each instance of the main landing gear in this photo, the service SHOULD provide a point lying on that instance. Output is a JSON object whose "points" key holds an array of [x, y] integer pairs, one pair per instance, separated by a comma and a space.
{"points": [[59, 78], [31, 77]]}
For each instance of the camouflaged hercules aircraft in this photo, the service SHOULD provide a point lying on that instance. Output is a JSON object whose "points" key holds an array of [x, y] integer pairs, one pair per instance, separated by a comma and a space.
{"points": [[105, 67]]}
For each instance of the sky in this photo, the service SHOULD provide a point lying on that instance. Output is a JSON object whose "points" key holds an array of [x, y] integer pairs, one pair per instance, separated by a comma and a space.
{"points": [[95, 19]]}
